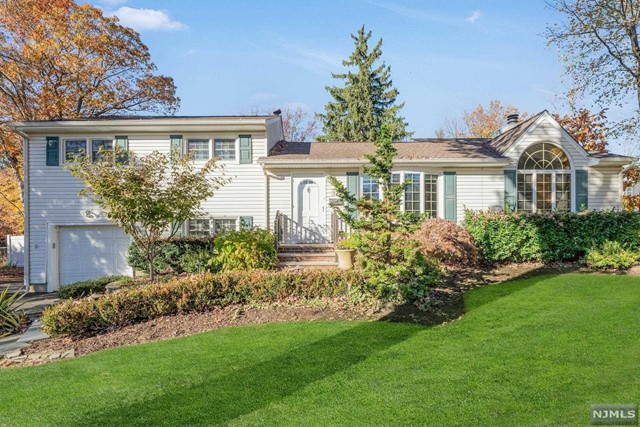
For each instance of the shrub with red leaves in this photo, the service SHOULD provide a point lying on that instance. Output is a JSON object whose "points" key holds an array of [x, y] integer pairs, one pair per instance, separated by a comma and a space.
{"points": [[447, 242]]}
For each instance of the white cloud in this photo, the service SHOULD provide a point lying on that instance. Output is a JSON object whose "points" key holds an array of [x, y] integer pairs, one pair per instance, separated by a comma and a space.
{"points": [[473, 17], [147, 19]]}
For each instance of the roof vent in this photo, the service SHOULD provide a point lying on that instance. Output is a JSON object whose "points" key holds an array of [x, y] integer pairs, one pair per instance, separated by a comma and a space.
{"points": [[512, 119]]}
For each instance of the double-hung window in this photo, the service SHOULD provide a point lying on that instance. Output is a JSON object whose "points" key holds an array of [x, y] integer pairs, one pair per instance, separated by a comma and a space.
{"points": [[210, 226], [420, 191], [431, 195], [370, 188], [224, 224], [198, 148], [412, 192], [224, 149], [73, 148], [98, 148], [200, 227]]}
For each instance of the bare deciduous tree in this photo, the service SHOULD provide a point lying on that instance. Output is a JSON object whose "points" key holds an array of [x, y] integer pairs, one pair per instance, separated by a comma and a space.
{"points": [[598, 42]]}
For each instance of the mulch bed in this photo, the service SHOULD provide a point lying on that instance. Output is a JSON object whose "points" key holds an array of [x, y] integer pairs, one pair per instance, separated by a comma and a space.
{"points": [[11, 275]]}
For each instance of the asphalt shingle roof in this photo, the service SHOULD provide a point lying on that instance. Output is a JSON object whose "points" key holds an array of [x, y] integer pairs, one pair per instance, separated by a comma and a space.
{"points": [[422, 148]]}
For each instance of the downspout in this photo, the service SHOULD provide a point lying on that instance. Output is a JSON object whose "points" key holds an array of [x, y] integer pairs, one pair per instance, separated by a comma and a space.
{"points": [[266, 199]]}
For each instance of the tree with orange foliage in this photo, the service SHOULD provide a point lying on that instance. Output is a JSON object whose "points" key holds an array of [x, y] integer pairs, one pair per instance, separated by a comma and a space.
{"points": [[484, 122], [62, 60], [481, 122], [587, 128], [11, 211]]}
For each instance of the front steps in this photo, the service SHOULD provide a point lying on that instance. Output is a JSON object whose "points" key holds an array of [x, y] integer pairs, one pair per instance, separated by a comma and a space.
{"points": [[307, 256]]}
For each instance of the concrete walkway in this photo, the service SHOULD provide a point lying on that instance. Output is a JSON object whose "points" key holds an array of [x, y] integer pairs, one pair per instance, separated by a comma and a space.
{"points": [[33, 305]]}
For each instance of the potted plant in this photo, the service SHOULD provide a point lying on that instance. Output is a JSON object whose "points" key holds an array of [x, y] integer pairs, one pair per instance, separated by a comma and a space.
{"points": [[345, 251]]}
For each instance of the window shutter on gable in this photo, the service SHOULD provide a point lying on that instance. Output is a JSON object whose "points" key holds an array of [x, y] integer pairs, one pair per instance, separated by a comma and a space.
{"points": [[510, 190], [176, 146], [450, 197], [122, 145], [53, 151], [582, 190], [246, 149], [246, 222]]}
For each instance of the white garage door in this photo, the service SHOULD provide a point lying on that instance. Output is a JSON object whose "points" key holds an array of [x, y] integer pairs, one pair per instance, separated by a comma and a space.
{"points": [[89, 252]]}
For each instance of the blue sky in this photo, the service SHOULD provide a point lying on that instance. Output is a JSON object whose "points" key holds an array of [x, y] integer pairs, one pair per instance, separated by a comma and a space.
{"points": [[446, 56]]}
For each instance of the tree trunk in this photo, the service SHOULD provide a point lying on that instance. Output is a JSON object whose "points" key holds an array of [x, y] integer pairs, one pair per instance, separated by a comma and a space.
{"points": [[150, 258], [152, 273]]}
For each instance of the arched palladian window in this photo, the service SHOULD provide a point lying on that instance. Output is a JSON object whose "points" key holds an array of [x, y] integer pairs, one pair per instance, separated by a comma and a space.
{"points": [[544, 179]]}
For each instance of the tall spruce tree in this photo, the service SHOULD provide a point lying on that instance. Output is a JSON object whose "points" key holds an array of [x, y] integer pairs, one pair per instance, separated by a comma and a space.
{"points": [[366, 101]]}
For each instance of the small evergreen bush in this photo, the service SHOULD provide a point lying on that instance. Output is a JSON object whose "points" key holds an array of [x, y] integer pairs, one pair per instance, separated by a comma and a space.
{"points": [[553, 236], [611, 255]]}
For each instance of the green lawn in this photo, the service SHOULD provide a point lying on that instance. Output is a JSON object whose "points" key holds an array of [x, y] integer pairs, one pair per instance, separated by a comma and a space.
{"points": [[531, 352]]}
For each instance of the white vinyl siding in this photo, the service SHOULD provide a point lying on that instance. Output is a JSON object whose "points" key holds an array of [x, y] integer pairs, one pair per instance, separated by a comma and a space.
{"points": [[54, 200], [479, 189], [605, 188]]}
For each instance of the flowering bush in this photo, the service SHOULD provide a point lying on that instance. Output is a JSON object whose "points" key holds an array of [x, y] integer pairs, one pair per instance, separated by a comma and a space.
{"points": [[553, 236]]}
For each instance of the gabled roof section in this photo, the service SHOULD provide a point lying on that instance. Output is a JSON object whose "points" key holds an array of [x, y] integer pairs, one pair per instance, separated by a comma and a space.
{"points": [[505, 140]]}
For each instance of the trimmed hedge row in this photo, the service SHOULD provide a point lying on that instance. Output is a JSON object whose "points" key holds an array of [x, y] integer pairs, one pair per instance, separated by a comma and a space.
{"points": [[86, 288], [555, 236], [195, 293]]}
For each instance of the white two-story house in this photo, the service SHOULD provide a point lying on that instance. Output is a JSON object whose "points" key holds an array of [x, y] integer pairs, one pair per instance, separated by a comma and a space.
{"points": [[530, 166]]}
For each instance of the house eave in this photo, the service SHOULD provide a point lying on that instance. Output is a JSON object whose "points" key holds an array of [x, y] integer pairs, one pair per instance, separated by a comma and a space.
{"points": [[146, 125], [320, 163]]}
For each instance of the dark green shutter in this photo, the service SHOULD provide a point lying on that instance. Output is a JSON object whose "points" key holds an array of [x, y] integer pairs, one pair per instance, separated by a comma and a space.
{"points": [[122, 148], [353, 183], [246, 222], [53, 151], [582, 190], [450, 197], [510, 190], [246, 149], [176, 145]]}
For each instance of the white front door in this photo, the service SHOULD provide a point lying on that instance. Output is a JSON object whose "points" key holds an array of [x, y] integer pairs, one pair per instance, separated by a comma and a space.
{"points": [[308, 216]]}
